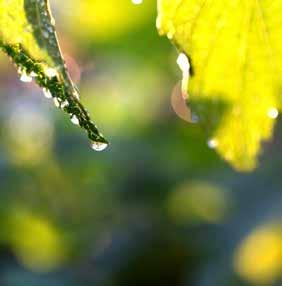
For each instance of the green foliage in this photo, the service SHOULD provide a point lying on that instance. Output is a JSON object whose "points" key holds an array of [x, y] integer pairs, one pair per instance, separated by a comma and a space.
{"points": [[28, 37], [235, 51]]}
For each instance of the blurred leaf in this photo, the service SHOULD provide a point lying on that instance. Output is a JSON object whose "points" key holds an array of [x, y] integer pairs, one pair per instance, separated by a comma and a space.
{"points": [[235, 52], [198, 202], [106, 20], [28, 37]]}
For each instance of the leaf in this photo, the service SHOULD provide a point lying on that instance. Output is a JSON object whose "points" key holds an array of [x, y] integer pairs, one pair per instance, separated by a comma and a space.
{"points": [[235, 52], [28, 37]]}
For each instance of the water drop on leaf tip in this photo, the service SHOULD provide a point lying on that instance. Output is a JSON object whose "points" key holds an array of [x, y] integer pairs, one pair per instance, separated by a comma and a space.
{"points": [[99, 146]]}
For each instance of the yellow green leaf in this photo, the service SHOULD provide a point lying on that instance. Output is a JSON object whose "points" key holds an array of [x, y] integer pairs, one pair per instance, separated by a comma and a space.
{"points": [[28, 37], [235, 53]]}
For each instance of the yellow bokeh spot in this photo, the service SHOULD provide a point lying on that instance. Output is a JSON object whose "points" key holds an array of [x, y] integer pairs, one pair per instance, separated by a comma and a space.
{"points": [[258, 258], [29, 136], [36, 242], [199, 201]]}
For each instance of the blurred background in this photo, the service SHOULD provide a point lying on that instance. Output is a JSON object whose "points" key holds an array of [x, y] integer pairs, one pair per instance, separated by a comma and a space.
{"points": [[158, 207]]}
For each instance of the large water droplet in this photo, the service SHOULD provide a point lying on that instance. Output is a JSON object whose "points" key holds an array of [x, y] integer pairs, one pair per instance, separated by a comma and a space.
{"points": [[99, 146]]}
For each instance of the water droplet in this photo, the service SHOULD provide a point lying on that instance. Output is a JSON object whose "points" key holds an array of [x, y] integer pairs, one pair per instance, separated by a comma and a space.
{"points": [[99, 146], [65, 104], [272, 113], [159, 23], [137, 2], [194, 118], [76, 94], [171, 30], [50, 72], [50, 29], [170, 35], [33, 74], [74, 120], [56, 102], [45, 34], [25, 77], [53, 22], [184, 65], [212, 143], [47, 93]]}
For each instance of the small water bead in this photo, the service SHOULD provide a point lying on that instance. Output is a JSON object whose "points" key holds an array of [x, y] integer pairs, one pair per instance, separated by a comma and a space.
{"points": [[45, 34], [212, 143], [33, 74], [47, 93], [50, 72], [159, 22], [24, 77], [171, 31], [272, 113], [99, 146], [50, 29], [137, 2], [76, 94], [194, 118], [170, 35], [56, 102], [53, 22], [64, 104], [74, 120], [184, 65], [41, 3]]}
